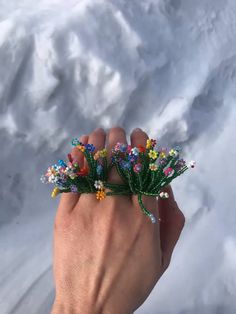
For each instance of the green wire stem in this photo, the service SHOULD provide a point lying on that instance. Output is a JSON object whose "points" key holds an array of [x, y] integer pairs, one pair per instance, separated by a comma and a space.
{"points": [[145, 211]]}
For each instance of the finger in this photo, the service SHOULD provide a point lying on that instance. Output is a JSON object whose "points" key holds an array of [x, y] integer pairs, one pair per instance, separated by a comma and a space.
{"points": [[68, 200], [139, 137], [171, 224], [98, 139], [115, 135], [76, 154]]}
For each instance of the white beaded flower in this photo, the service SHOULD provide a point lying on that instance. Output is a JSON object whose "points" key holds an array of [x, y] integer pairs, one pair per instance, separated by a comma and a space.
{"points": [[98, 184], [191, 164], [153, 219], [52, 178], [164, 195], [135, 151], [44, 179]]}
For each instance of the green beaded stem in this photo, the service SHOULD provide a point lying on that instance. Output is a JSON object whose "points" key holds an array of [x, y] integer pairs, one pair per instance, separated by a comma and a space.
{"points": [[105, 169], [146, 169], [91, 163], [145, 211], [92, 189], [140, 181], [131, 184], [121, 173], [115, 185], [145, 182], [119, 193], [153, 180]]}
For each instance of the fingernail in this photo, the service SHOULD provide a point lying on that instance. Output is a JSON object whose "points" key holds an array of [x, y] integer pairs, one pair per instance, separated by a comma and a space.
{"points": [[137, 130]]}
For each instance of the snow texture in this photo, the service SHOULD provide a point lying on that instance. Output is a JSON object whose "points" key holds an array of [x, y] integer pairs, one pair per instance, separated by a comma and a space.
{"points": [[167, 66]]}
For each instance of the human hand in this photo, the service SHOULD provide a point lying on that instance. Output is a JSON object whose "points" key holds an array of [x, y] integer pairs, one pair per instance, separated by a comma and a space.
{"points": [[108, 256]]}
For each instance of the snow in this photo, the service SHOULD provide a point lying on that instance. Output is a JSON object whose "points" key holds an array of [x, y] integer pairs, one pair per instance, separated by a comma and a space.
{"points": [[168, 66]]}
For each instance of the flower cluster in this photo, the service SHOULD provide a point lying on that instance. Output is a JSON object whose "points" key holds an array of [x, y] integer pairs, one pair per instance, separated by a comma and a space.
{"points": [[166, 163], [144, 169], [67, 176], [60, 173]]}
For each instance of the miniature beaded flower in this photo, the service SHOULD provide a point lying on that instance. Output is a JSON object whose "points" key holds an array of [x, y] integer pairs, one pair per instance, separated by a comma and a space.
{"points": [[144, 171]]}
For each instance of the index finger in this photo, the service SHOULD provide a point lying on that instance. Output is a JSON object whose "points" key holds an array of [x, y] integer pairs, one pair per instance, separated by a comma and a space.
{"points": [[68, 200]]}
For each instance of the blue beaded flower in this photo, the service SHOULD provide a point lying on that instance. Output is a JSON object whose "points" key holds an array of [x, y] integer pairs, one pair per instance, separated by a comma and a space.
{"points": [[75, 141], [62, 163], [123, 148], [99, 169], [90, 147]]}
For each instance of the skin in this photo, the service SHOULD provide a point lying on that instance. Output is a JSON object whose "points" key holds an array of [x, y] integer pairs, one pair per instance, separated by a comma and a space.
{"points": [[108, 256]]}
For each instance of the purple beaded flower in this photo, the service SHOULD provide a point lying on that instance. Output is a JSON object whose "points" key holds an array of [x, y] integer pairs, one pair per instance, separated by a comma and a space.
{"points": [[162, 162], [132, 157], [73, 188], [180, 164], [125, 165]]}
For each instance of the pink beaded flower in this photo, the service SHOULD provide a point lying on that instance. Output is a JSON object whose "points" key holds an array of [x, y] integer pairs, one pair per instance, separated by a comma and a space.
{"points": [[168, 171], [137, 167]]}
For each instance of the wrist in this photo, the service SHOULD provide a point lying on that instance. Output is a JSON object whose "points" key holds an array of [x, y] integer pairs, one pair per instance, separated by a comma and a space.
{"points": [[60, 307]]}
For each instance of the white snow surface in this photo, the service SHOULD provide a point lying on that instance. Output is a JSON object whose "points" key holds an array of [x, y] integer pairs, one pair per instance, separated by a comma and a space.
{"points": [[167, 66]]}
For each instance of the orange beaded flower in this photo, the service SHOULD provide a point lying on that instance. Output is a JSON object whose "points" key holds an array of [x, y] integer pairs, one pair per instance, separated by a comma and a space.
{"points": [[101, 194], [81, 148]]}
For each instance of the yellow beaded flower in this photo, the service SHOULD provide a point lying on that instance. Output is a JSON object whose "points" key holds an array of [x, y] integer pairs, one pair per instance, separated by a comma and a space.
{"points": [[148, 144], [55, 192], [162, 155], [173, 152], [153, 154], [103, 152], [101, 194]]}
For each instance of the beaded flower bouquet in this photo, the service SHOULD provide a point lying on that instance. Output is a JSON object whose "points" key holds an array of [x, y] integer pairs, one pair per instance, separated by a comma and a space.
{"points": [[144, 171]]}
